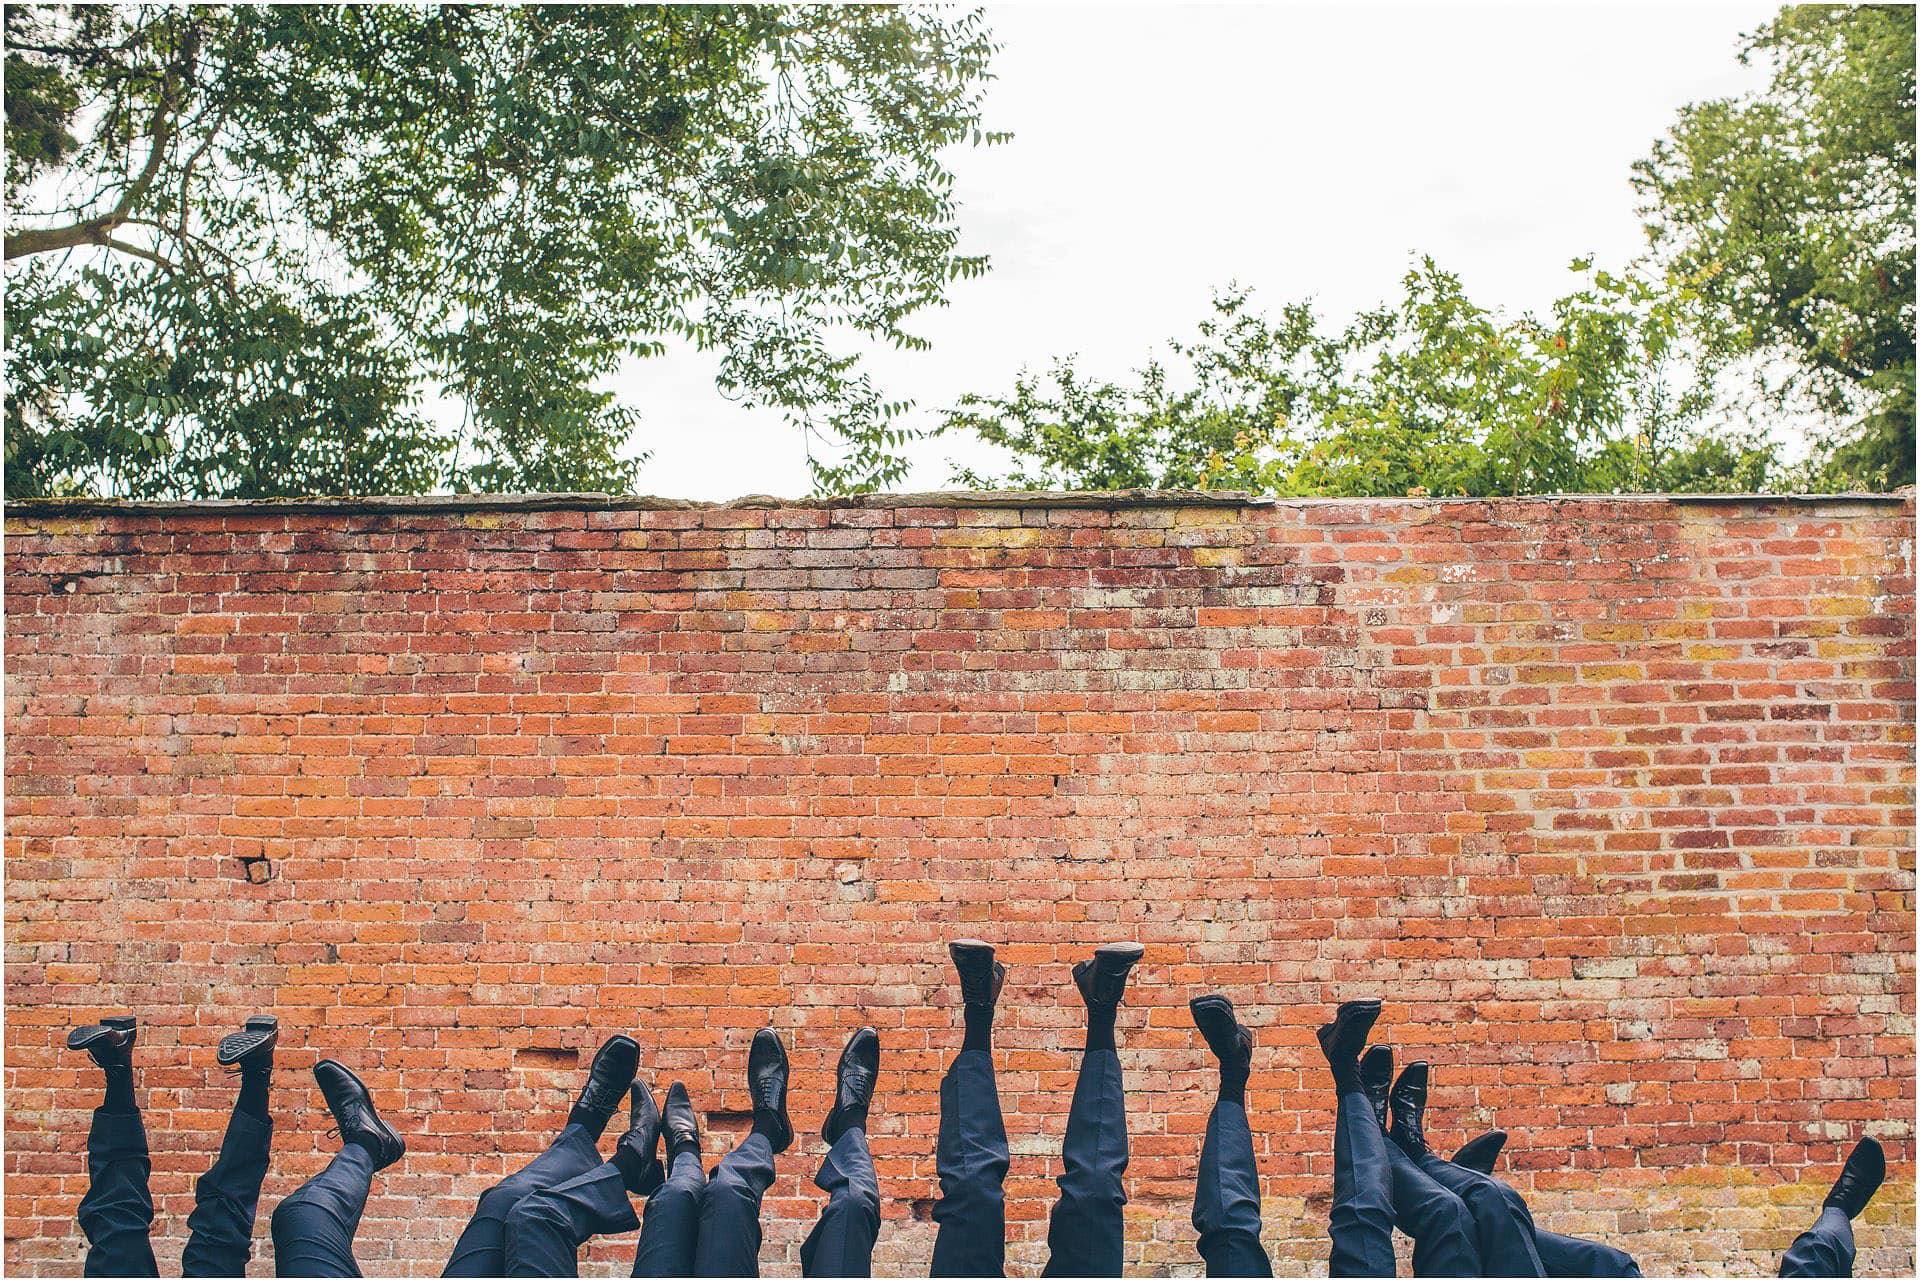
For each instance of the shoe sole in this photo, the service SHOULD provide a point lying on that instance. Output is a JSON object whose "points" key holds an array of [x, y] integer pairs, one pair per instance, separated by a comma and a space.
{"points": [[83, 1038], [235, 1047]]}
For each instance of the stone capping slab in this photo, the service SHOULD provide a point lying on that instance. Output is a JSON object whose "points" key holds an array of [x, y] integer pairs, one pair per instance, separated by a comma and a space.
{"points": [[456, 503]]}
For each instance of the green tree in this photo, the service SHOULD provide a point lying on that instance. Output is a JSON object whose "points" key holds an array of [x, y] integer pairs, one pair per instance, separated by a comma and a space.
{"points": [[245, 245], [1794, 209], [1429, 393]]}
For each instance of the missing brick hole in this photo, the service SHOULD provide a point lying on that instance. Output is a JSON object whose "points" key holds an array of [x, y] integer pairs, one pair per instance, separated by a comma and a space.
{"points": [[256, 869], [729, 1119], [546, 1057], [921, 1208]]}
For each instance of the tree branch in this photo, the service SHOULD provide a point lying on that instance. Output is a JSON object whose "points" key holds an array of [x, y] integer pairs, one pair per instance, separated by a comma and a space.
{"points": [[95, 231]]}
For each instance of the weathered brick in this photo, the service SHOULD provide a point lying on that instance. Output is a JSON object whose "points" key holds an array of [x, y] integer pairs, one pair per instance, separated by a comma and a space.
{"points": [[1611, 799]]}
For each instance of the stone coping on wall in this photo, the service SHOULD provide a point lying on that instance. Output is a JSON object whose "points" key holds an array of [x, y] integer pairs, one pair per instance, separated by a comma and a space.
{"points": [[429, 503]]}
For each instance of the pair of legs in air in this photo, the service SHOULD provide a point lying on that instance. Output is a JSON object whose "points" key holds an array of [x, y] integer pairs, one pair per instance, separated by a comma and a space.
{"points": [[1463, 1222], [116, 1215], [1087, 1228], [533, 1223]]}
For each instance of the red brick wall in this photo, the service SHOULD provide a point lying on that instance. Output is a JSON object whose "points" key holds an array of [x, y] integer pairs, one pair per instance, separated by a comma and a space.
{"points": [[1610, 800]]}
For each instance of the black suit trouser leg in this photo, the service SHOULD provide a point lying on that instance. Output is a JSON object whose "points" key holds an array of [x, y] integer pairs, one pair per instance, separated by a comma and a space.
{"points": [[116, 1215], [225, 1200]]}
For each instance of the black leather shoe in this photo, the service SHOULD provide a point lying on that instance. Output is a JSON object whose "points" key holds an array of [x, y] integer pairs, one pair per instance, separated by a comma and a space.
{"points": [[1859, 1178], [254, 1042], [110, 1042], [1342, 1040], [610, 1077], [1409, 1110], [853, 1089], [638, 1152], [767, 1086], [1481, 1152], [1103, 980], [1230, 1041], [680, 1123], [1376, 1078], [354, 1115], [981, 977]]}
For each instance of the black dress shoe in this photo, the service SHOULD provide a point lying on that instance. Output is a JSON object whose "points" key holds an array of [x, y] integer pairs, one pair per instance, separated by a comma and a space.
{"points": [[638, 1152], [1103, 980], [110, 1042], [354, 1115], [1409, 1110], [981, 977], [609, 1078], [1860, 1178], [767, 1087], [680, 1123], [1481, 1152], [1342, 1040], [1230, 1041], [853, 1089], [1376, 1078], [255, 1041]]}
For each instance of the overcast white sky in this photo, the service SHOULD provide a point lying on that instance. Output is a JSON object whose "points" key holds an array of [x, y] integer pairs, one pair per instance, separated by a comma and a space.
{"points": [[1302, 150]]}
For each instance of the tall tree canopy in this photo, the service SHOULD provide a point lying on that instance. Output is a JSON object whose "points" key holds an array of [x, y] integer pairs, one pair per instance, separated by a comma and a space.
{"points": [[1794, 209], [246, 246], [1430, 392]]}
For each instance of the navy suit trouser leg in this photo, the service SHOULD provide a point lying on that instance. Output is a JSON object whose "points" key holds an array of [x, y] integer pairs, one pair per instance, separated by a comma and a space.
{"points": [[971, 1163], [226, 1199], [313, 1226], [1361, 1222], [670, 1226], [841, 1243], [1445, 1243], [1502, 1224], [1572, 1257], [1086, 1235], [1823, 1251], [116, 1215], [481, 1251], [729, 1242], [1226, 1197], [546, 1229]]}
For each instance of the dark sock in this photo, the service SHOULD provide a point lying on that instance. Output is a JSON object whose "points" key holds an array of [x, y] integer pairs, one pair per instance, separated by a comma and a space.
{"points": [[1100, 1027], [979, 1028], [594, 1123], [1233, 1083], [633, 1168], [255, 1084], [119, 1089]]}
